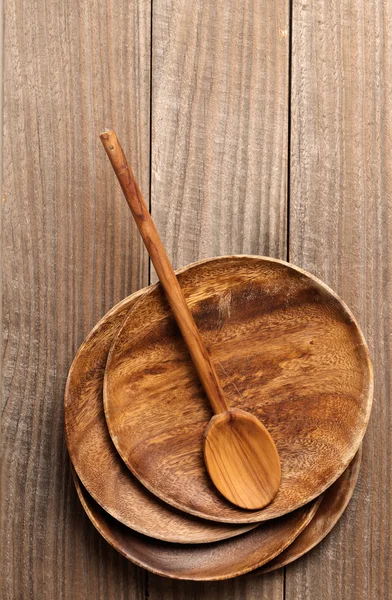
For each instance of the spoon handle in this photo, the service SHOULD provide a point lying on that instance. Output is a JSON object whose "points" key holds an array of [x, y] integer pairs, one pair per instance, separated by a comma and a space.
{"points": [[164, 269]]}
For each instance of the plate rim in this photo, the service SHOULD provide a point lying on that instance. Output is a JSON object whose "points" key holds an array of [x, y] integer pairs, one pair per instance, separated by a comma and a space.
{"points": [[250, 517]]}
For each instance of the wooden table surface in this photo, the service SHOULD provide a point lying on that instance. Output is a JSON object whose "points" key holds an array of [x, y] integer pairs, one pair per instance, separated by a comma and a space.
{"points": [[253, 127]]}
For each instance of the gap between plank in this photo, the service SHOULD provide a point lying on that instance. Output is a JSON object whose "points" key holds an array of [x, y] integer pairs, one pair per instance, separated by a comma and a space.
{"points": [[290, 75], [146, 585], [289, 95], [150, 161]]}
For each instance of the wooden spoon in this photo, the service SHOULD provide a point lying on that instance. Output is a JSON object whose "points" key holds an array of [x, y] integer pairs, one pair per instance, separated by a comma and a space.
{"points": [[239, 453]]}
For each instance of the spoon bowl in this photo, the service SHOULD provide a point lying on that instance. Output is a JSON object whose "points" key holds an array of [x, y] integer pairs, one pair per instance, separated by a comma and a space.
{"points": [[242, 459]]}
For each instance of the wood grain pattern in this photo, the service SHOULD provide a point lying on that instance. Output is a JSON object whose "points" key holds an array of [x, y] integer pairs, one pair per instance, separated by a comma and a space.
{"points": [[165, 272], [239, 453], [341, 229], [95, 459], [219, 127], [69, 254], [246, 587], [333, 504], [286, 349], [203, 562], [66, 251], [241, 458], [220, 186]]}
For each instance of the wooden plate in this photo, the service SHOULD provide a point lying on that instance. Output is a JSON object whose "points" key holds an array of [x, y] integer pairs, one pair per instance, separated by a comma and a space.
{"points": [[333, 505], [286, 349], [203, 562], [96, 460]]}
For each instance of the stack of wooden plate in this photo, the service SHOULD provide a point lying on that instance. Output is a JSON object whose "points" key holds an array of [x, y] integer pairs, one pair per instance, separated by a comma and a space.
{"points": [[286, 349]]}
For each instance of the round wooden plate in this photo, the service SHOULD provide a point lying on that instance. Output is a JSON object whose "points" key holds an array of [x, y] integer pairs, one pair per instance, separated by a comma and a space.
{"points": [[203, 562], [333, 505], [95, 458], [286, 349]]}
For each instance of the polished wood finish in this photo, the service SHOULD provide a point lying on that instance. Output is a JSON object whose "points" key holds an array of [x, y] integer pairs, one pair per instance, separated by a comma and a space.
{"points": [[200, 562], [333, 505], [205, 562], [95, 458], [183, 316], [240, 455], [286, 349], [241, 459]]}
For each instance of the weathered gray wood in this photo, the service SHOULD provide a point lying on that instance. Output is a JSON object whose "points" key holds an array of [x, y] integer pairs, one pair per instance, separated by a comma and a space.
{"points": [[247, 587], [219, 158], [220, 98], [70, 252], [219, 127], [341, 230]]}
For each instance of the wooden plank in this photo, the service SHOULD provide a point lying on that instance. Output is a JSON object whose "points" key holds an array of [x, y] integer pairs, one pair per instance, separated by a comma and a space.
{"points": [[219, 119], [340, 229], [219, 159], [70, 253], [247, 587]]}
